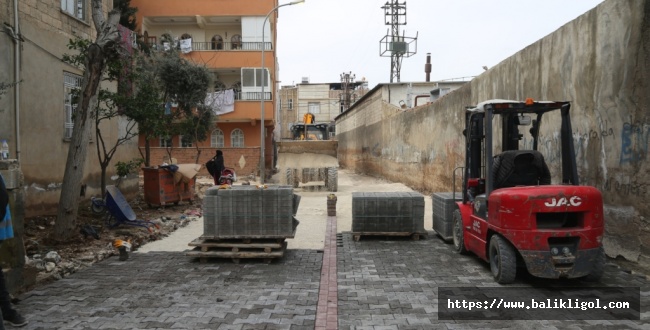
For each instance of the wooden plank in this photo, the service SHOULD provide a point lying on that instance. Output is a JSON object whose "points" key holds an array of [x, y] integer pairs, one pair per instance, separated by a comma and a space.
{"points": [[230, 244], [414, 236], [387, 233], [245, 237], [236, 253]]}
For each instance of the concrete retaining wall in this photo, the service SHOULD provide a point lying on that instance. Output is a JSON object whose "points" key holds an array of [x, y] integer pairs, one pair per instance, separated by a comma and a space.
{"points": [[600, 62]]}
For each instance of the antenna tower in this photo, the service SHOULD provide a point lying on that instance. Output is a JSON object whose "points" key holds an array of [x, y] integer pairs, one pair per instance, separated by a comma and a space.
{"points": [[393, 44]]}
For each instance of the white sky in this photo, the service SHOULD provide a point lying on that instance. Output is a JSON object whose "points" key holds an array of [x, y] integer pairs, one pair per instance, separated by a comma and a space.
{"points": [[321, 39]]}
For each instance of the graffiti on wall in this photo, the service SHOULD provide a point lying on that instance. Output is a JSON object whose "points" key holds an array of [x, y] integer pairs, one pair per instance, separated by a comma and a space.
{"points": [[620, 184], [634, 142], [624, 186]]}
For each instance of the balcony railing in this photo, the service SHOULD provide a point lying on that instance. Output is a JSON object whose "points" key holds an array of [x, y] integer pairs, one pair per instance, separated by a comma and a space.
{"points": [[223, 46], [252, 96]]}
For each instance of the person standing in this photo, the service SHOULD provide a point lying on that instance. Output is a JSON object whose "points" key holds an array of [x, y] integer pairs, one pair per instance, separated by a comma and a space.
{"points": [[219, 166], [9, 315]]}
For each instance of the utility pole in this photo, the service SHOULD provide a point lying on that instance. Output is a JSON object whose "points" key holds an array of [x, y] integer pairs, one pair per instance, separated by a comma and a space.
{"points": [[345, 98], [393, 44]]}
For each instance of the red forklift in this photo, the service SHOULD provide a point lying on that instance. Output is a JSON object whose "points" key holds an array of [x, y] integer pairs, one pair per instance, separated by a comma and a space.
{"points": [[510, 214]]}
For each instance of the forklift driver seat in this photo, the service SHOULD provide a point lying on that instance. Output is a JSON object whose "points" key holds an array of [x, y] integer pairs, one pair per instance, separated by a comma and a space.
{"points": [[520, 168]]}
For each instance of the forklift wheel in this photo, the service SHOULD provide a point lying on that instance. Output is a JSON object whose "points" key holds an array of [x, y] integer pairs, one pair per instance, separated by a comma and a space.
{"points": [[599, 267], [503, 260], [457, 233]]}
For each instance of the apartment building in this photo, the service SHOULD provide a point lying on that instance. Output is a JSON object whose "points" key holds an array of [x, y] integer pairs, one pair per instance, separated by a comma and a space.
{"points": [[36, 115], [226, 36], [324, 101]]}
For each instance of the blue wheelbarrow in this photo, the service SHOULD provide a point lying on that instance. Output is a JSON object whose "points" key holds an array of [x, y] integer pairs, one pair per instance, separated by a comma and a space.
{"points": [[118, 211]]}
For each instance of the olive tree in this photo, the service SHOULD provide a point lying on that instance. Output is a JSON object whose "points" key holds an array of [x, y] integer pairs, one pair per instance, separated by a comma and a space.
{"points": [[98, 53]]}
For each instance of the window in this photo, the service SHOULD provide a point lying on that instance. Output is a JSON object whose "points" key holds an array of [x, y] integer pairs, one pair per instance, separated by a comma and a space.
{"points": [[252, 77], [251, 84], [186, 141], [290, 104], [71, 82], [236, 87], [165, 141], [314, 107], [217, 42], [235, 42], [219, 86], [75, 8], [237, 138], [216, 139]]}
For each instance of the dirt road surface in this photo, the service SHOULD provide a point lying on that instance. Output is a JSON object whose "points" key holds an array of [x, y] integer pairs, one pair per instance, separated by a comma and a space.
{"points": [[312, 214]]}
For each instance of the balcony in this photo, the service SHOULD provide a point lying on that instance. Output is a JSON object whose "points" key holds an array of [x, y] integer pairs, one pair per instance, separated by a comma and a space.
{"points": [[252, 96], [214, 46]]}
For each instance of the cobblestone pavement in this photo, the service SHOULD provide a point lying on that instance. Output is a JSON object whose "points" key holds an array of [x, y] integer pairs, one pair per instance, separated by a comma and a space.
{"points": [[383, 283], [393, 284], [169, 290]]}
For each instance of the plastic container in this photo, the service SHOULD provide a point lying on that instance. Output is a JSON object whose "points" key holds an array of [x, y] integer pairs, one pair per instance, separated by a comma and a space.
{"points": [[4, 151]]}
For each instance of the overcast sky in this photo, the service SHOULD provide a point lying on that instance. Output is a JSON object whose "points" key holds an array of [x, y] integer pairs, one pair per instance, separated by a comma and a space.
{"points": [[321, 39]]}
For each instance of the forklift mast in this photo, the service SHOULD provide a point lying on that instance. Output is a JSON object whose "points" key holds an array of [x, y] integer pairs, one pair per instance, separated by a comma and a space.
{"points": [[480, 146]]}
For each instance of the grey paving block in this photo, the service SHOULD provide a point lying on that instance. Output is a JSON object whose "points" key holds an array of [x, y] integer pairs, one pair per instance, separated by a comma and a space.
{"points": [[387, 212]]}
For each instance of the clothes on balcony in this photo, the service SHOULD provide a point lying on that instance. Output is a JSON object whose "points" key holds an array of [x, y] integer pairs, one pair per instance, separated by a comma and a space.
{"points": [[186, 45], [221, 102]]}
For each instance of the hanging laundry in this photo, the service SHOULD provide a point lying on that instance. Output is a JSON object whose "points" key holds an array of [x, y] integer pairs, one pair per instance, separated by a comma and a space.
{"points": [[186, 45], [221, 102]]}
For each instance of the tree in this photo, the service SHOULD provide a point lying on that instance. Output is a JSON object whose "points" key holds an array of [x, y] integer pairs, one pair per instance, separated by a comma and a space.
{"points": [[199, 125], [127, 18], [109, 103], [98, 52], [164, 79], [146, 106], [186, 84], [109, 111]]}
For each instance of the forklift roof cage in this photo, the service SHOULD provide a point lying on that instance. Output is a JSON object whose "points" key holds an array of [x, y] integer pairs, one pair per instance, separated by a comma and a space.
{"points": [[479, 127]]}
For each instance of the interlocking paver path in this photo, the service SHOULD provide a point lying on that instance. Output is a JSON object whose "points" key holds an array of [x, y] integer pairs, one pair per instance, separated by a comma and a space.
{"points": [[171, 291], [383, 283]]}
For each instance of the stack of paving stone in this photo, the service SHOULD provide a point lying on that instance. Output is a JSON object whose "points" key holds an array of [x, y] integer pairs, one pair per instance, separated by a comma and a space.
{"points": [[249, 212], [246, 222], [443, 205], [387, 213]]}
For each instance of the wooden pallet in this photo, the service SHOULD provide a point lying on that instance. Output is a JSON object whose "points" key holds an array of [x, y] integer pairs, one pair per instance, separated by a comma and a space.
{"points": [[414, 236], [236, 249]]}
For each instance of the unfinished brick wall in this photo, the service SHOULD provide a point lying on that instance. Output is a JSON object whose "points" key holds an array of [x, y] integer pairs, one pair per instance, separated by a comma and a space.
{"points": [[244, 161]]}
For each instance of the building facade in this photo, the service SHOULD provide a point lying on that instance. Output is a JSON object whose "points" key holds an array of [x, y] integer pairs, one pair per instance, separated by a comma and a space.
{"points": [[324, 101], [36, 115], [229, 37]]}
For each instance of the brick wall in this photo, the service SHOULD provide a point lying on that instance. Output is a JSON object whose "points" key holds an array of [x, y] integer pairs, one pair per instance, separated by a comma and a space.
{"points": [[244, 161], [48, 15]]}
